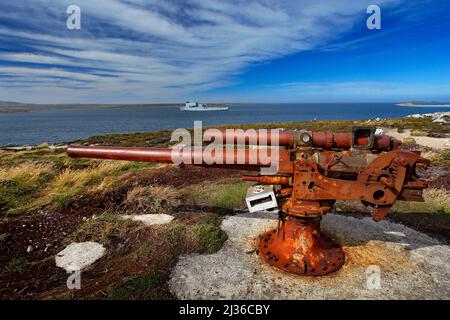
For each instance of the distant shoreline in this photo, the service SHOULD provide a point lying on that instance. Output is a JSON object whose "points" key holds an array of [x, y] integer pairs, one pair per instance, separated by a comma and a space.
{"points": [[39, 107], [423, 105]]}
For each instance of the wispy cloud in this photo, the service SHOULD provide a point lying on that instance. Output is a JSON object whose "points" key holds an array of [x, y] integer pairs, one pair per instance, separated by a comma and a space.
{"points": [[144, 51]]}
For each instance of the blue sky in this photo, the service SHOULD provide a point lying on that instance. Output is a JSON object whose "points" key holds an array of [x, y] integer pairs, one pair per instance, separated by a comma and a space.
{"points": [[151, 51]]}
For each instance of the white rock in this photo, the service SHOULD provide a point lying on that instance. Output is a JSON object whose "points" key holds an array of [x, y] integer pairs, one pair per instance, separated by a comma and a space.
{"points": [[150, 219], [439, 117], [30, 249], [77, 256], [379, 132]]}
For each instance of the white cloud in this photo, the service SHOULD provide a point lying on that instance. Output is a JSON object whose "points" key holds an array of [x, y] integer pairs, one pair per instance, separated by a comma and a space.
{"points": [[161, 50]]}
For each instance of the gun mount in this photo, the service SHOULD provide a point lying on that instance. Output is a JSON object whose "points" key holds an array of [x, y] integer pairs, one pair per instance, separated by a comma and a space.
{"points": [[314, 170]]}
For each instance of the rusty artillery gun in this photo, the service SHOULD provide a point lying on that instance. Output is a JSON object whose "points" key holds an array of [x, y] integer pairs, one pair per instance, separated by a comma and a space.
{"points": [[314, 170]]}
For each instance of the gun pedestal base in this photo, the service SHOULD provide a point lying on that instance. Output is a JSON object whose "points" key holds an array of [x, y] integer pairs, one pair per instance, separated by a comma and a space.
{"points": [[297, 246]]}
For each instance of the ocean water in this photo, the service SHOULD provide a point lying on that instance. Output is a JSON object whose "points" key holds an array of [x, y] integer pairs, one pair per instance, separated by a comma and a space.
{"points": [[54, 126]]}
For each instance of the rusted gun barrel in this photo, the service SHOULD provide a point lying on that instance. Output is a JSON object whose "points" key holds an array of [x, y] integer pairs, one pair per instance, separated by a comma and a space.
{"points": [[235, 159], [325, 140]]}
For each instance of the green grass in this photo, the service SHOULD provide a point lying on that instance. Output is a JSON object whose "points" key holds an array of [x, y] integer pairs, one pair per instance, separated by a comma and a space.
{"points": [[227, 194], [436, 201], [231, 196], [421, 207]]}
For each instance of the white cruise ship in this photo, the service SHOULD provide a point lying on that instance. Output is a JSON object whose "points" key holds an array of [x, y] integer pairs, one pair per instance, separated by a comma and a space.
{"points": [[195, 106]]}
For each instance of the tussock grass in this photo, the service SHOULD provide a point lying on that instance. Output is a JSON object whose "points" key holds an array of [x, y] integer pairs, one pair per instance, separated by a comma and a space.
{"points": [[152, 199], [20, 185], [72, 182], [104, 229], [26, 172]]}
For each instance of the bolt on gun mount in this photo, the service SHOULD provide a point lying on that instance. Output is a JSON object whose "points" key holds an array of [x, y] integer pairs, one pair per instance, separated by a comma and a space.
{"points": [[314, 170]]}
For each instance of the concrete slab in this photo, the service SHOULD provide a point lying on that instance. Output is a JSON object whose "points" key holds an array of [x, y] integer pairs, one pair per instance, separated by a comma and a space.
{"points": [[412, 265]]}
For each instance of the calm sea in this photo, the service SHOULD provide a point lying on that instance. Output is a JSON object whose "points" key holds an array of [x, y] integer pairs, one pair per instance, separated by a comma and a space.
{"points": [[66, 125]]}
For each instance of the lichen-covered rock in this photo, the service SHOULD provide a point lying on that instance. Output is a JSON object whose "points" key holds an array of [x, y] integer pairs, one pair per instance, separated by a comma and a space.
{"points": [[77, 256]]}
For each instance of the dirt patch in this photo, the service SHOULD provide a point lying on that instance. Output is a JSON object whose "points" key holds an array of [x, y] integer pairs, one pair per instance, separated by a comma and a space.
{"points": [[45, 231]]}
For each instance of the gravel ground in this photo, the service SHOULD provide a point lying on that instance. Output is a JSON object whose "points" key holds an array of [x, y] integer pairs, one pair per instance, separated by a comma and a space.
{"points": [[413, 265]]}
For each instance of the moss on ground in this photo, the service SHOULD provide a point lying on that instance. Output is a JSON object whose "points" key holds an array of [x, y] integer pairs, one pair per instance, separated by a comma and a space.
{"points": [[140, 287]]}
